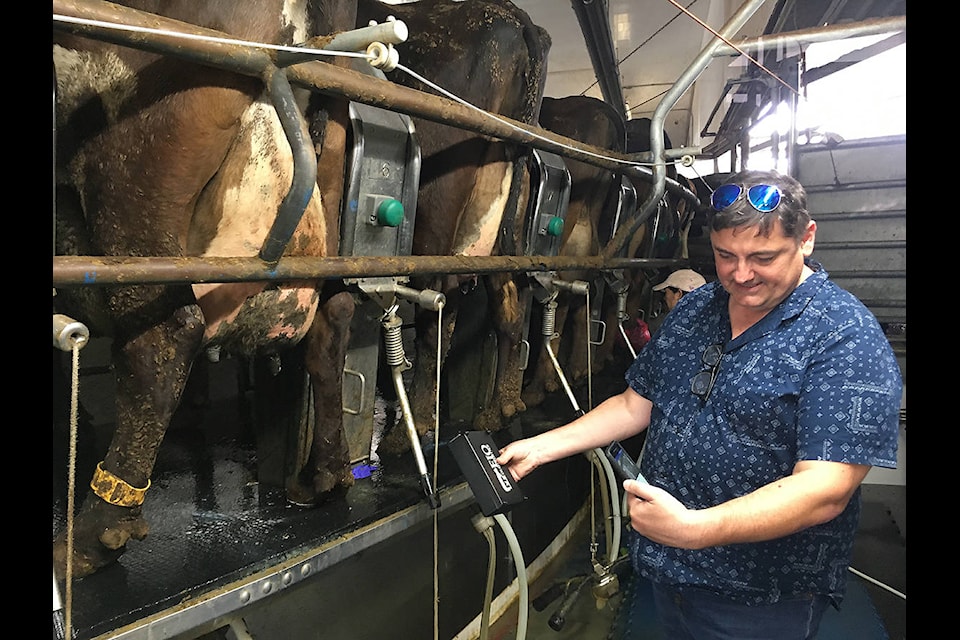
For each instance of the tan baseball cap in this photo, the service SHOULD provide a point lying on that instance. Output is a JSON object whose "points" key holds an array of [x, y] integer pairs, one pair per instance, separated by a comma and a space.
{"points": [[683, 279]]}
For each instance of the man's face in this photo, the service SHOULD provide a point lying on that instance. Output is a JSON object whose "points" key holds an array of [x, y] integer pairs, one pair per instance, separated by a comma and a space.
{"points": [[759, 271], [672, 297]]}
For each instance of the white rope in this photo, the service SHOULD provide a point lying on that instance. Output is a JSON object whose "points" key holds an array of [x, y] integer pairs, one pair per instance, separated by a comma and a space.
{"points": [[436, 512], [71, 483]]}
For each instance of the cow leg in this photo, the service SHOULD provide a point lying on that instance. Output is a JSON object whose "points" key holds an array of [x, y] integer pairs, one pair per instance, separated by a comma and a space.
{"points": [[151, 369], [508, 322], [578, 365], [327, 470]]}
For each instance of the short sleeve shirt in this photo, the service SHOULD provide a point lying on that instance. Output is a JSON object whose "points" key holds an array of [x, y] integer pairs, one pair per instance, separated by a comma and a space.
{"points": [[815, 379]]}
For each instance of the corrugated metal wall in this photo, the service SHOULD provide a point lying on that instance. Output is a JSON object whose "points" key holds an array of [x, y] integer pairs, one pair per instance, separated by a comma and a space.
{"points": [[857, 193]]}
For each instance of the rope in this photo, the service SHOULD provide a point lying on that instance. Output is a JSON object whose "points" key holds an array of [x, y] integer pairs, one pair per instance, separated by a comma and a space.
{"points": [[436, 512], [71, 482]]}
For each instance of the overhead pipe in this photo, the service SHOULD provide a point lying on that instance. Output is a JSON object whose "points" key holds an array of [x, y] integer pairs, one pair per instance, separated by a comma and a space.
{"points": [[785, 41], [330, 79], [870, 27], [684, 82], [595, 25]]}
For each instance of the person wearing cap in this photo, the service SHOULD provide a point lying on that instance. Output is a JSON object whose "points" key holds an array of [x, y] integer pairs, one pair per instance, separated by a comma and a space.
{"points": [[678, 283], [765, 397]]}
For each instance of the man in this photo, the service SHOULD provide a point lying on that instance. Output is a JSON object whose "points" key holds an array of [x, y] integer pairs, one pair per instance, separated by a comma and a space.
{"points": [[677, 284], [767, 396]]}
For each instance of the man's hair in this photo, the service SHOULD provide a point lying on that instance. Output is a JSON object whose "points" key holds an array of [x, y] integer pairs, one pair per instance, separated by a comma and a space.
{"points": [[792, 210]]}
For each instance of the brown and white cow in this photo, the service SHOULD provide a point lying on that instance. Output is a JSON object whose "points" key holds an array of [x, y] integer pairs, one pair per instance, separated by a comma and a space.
{"points": [[588, 228], [472, 188], [160, 157]]}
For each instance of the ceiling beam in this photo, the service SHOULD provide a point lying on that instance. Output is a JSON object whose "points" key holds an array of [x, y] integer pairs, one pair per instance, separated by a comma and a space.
{"points": [[594, 19]]}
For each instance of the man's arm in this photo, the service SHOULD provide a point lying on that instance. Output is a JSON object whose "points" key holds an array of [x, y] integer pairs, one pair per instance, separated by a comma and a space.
{"points": [[616, 418], [816, 492]]}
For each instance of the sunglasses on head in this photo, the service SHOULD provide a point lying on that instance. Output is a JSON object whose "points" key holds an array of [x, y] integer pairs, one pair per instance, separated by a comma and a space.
{"points": [[762, 197]]}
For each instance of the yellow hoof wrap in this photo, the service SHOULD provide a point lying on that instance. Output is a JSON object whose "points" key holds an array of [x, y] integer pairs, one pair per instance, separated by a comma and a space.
{"points": [[115, 491]]}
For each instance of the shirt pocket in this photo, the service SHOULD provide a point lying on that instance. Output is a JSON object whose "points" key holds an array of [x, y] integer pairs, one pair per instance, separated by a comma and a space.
{"points": [[758, 403]]}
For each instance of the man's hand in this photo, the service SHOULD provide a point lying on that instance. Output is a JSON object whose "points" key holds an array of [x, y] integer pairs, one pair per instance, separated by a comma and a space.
{"points": [[816, 492], [519, 457], [659, 516]]}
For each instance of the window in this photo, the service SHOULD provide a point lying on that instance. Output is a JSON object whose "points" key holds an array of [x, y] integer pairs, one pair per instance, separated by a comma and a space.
{"points": [[864, 100]]}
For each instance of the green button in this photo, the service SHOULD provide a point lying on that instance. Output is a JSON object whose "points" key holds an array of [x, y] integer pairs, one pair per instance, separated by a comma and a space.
{"points": [[390, 213], [555, 226]]}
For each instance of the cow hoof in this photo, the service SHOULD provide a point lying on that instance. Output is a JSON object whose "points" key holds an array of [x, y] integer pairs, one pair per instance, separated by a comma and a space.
{"points": [[532, 398], [323, 487], [100, 536], [510, 409], [488, 420], [394, 443]]}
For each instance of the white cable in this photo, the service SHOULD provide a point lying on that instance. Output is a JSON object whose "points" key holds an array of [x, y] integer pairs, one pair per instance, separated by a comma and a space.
{"points": [[628, 163], [878, 583], [524, 603], [606, 500], [488, 591], [614, 549], [436, 460]]}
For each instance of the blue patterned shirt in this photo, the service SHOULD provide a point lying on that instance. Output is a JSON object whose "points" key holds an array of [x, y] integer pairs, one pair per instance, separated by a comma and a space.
{"points": [[815, 379]]}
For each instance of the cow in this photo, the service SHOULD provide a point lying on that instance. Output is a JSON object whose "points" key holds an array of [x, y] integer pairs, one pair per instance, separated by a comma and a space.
{"points": [[473, 189], [591, 210], [160, 157], [596, 123]]}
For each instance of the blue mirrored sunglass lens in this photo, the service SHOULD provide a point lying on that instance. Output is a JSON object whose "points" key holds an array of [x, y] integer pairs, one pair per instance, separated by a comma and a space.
{"points": [[725, 195], [764, 197]]}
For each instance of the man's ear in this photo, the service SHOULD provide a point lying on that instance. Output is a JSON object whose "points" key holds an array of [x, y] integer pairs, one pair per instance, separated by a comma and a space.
{"points": [[806, 243]]}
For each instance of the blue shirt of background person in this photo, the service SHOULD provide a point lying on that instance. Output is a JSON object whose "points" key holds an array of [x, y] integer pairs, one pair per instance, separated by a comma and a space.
{"points": [[814, 379], [768, 397]]}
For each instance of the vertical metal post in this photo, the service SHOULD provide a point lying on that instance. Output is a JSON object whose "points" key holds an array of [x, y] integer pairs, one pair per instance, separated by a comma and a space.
{"points": [[684, 82]]}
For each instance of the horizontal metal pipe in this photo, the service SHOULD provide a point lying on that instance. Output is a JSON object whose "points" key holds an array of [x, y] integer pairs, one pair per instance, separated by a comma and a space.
{"points": [[110, 270], [330, 79], [164, 35], [772, 42]]}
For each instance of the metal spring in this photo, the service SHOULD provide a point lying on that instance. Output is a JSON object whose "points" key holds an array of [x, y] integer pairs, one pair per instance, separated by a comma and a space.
{"points": [[393, 343], [549, 318]]}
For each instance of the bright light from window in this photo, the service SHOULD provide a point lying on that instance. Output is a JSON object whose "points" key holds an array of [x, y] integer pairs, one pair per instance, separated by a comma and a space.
{"points": [[865, 100]]}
